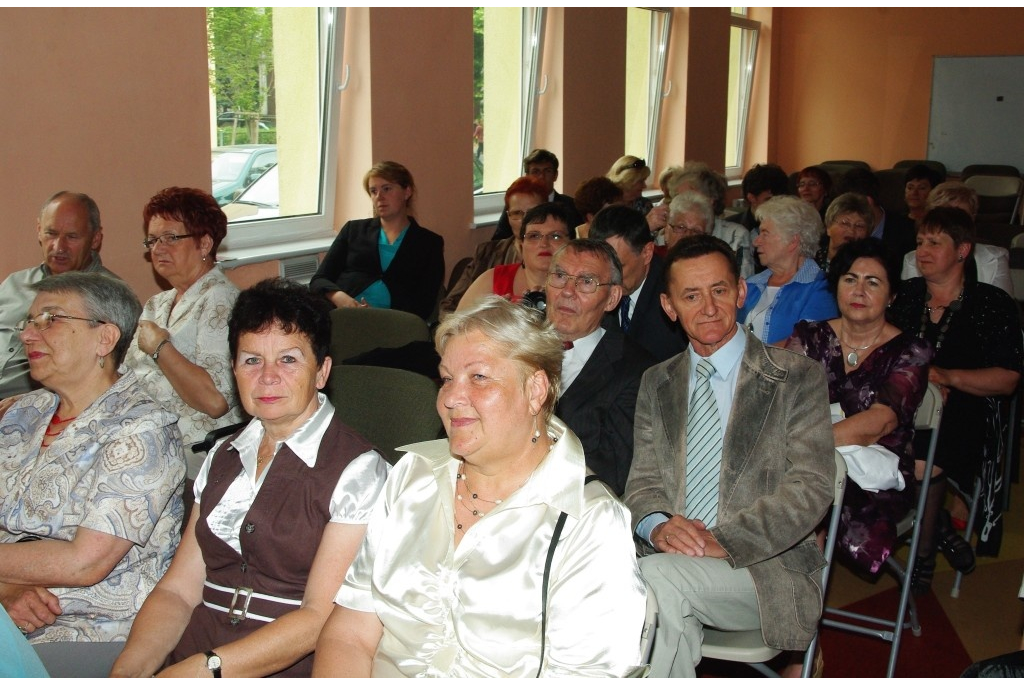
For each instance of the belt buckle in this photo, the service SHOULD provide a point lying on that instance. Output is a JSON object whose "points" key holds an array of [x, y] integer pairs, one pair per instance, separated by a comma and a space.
{"points": [[238, 614]]}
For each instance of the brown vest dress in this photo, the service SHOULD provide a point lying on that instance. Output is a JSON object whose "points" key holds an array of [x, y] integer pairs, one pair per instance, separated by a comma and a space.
{"points": [[279, 538]]}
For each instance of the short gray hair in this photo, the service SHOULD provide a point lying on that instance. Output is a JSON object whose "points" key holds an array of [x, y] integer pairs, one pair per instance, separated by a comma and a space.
{"points": [[105, 298], [598, 248], [522, 334], [705, 180], [794, 217], [91, 208], [696, 203], [850, 203]]}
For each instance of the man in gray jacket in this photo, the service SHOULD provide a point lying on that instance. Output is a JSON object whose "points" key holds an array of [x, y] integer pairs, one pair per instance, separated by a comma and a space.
{"points": [[70, 233], [732, 470]]}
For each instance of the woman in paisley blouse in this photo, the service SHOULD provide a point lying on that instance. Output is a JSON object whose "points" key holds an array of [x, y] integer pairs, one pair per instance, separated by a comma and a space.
{"points": [[878, 375], [90, 480], [180, 352]]}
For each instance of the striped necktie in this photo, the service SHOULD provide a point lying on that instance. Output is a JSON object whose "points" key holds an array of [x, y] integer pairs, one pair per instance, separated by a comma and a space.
{"points": [[703, 449], [624, 314]]}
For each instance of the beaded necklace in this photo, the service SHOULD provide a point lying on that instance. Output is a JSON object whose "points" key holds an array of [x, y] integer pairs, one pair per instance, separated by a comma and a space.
{"points": [[947, 317]]}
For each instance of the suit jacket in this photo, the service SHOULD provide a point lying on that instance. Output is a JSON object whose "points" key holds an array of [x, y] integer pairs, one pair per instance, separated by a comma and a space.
{"points": [[650, 326], [899, 237], [777, 478], [413, 278], [598, 407]]}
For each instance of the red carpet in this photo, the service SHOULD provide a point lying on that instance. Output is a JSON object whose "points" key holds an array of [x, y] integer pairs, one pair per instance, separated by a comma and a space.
{"points": [[938, 653]]}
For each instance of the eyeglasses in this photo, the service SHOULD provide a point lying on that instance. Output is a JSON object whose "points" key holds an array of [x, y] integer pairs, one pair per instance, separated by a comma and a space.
{"points": [[44, 320], [809, 183], [167, 239], [680, 229], [583, 284], [536, 237], [638, 164], [850, 226]]}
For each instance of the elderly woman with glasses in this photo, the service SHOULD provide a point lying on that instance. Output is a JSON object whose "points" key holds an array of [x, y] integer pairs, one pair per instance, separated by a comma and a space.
{"points": [[543, 231], [92, 470], [180, 351]]}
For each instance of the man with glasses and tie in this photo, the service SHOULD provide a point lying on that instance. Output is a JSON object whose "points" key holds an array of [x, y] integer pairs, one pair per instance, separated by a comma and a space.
{"points": [[70, 234], [732, 470], [639, 314], [601, 369]]}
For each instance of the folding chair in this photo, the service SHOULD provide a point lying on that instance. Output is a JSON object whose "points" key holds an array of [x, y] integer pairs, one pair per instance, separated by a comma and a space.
{"points": [[647, 637], [747, 646], [974, 499], [928, 417], [998, 197]]}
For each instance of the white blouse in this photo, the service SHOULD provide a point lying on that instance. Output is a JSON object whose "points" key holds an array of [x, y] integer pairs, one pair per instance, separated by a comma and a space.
{"points": [[474, 610], [355, 494]]}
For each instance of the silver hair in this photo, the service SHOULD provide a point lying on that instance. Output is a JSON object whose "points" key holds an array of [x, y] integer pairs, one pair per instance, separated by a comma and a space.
{"points": [[850, 203], [705, 180], [105, 298], [91, 208], [521, 334], [794, 217], [599, 248], [697, 203]]}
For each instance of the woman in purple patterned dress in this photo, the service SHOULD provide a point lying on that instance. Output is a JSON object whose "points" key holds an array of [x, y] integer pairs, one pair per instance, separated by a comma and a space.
{"points": [[878, 375]]}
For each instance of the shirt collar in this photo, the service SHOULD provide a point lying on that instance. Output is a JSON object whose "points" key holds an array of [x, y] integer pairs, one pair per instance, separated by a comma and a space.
{"points": [[585, 346], [305, 442], [557, 481], [724, 359]]}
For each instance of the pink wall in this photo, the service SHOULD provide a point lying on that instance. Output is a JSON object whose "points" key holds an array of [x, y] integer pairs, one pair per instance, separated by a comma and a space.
{"points": [[856, 83], [101, 101]]}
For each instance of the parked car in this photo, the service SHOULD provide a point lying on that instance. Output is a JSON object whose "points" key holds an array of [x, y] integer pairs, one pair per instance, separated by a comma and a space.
{"points": [[235, 167], [261, 200]]}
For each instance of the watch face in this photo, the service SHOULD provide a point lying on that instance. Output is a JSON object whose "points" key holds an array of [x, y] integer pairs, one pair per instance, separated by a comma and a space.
{"points": [[213, 662]]}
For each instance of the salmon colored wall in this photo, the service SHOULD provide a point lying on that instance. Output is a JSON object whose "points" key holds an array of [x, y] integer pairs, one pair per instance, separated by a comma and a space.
{"points": [[423, 111], [594, 86], [100, 101], [856, 83]]}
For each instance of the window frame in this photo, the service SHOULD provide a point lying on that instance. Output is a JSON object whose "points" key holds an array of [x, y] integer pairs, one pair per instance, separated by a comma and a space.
{"points": [[254, 240], [487, 207], [745, 91], [657, 68]]}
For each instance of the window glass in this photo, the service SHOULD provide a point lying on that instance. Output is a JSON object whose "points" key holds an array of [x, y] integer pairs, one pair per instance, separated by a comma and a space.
{"points": [[743, 36], [647, 32], [270, 112], [507, 42]]}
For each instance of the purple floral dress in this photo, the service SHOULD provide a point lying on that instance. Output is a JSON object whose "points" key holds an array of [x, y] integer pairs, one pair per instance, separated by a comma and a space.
{"points": [[896, 375]]}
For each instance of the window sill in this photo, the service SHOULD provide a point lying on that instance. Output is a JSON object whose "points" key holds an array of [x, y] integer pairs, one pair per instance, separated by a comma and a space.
{"points": [[255, 255]]}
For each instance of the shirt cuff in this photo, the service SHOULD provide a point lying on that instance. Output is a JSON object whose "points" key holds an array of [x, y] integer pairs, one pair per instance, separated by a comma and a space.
{"points": [[648, 524]]}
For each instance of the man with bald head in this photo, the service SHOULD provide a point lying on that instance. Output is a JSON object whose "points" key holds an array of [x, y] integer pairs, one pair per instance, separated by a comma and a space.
{"points": [[69, 233]]}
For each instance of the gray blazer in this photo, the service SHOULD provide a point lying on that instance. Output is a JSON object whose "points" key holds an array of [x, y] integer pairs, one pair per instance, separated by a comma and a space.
{"points": [[777, 476]]}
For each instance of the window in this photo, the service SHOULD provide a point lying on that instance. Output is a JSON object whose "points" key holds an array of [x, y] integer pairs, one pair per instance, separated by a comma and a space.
{"points": [[273, 114], [647, 32], [507, 43], [742, 51]]}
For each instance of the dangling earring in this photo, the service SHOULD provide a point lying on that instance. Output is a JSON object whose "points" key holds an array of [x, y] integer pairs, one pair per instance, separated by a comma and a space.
{"points": [[536, 431], [103, 361]]}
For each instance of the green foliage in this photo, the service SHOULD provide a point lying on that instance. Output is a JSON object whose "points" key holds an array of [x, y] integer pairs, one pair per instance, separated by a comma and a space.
{"points": [[478, 62], [241, 46]]}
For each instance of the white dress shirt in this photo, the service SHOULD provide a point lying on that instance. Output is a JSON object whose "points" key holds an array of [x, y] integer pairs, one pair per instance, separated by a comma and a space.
{"points": [[576, 358], [473, 610]]}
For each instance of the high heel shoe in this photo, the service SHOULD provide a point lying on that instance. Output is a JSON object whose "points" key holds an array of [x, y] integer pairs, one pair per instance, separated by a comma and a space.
{"points": [[921, 579], [956, 549]]}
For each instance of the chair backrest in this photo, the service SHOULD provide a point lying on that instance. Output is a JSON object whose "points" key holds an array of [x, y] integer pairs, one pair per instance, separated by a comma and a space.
{"points": [[988, 170], [389, 407], [995, 186], [929, 412], [360, 329], [1017, 265]]}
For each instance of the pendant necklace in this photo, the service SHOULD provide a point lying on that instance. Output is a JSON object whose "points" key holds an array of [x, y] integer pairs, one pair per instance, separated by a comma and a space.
{"points": [[853, 359]]}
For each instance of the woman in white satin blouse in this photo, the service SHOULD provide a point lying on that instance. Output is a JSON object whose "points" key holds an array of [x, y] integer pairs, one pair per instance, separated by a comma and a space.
{"points": [[448, 582]]}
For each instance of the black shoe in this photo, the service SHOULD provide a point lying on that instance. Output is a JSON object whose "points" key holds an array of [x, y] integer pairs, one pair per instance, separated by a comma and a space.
{"points": [[956, 549], [921, 579]]}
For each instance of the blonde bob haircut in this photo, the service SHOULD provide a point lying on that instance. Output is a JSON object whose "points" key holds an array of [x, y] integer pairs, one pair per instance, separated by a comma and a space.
{"points": [[627, 170], [520, 333]]}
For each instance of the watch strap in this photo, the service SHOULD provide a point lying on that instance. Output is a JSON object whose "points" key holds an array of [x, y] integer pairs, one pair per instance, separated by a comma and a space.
{"points": [[212, 660], [156, 352]]}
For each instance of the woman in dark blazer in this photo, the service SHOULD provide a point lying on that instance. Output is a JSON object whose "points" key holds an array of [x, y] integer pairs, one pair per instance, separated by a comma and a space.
{"points": [[389, 261]]}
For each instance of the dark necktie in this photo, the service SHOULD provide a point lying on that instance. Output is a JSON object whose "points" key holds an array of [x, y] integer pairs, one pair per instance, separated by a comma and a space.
{"points": [[624, 314]]}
